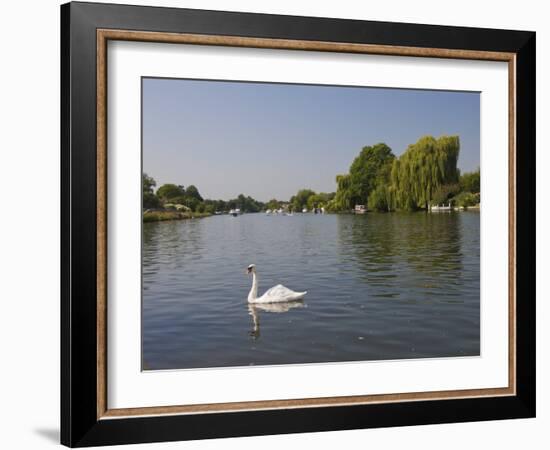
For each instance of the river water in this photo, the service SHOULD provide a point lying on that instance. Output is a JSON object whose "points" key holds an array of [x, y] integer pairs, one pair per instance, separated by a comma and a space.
{"points": [[380, 286]]}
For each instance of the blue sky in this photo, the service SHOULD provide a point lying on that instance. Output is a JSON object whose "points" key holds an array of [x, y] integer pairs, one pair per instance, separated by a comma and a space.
{"points": [[268, 140]]}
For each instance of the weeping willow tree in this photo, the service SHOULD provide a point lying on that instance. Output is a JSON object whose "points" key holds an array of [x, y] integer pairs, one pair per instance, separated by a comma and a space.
{"points": [[343, 198], [385, 183], [422, 169]]}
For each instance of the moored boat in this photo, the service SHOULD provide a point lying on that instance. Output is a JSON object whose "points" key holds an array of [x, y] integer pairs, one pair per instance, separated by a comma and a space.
{"points": [[441, 208]]}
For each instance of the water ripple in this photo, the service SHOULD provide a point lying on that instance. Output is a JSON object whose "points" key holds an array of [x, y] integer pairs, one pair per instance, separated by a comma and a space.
{"points": [[380, 286]]}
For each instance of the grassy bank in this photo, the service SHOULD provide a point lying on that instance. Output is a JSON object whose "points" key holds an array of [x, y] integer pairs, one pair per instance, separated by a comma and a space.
{"points": [[159, 216]]}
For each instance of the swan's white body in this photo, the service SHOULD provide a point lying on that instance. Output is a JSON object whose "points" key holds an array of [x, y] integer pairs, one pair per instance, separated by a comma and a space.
{"points": [[277, 294]]}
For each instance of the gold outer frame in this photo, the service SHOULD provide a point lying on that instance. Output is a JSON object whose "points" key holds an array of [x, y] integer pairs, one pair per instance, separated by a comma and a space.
{"points": [[104, 35]]}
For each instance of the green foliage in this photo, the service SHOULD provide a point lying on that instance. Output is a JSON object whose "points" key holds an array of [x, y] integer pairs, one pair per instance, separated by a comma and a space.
{"points": [[320, 200], [343, 198], [383, 182], [245, 204], [150, 200], [178, 195], [170, 191], [369, 169], [444, 193], [470, 181], [426, 173], [158, 216], [172, 198], [380, 198], [148, 183], [190, 203], [209, 208], [213, 206], [422, 169], [299, 201], [273, 204], [466, 199], [193, 192]]}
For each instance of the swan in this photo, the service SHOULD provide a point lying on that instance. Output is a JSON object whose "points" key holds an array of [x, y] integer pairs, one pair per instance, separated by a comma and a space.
{"points": [[277, 294]]}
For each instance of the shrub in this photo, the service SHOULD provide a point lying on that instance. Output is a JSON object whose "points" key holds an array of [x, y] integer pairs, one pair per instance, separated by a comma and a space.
{"points": [[444, 193], [466, 199], [150, 200]]}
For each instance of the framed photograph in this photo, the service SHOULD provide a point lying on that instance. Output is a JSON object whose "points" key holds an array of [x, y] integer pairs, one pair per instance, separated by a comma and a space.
{"points": [[278, 224]]}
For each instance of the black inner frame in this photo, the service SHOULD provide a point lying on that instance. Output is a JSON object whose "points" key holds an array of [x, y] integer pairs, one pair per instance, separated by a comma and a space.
{"points": [[79, 423]]}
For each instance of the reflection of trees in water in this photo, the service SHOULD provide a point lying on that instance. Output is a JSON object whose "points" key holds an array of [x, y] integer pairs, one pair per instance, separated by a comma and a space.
{"points": [[172, 242], [384, 246], [150, 264], [369, 245], [433, 244], [376, 240]]}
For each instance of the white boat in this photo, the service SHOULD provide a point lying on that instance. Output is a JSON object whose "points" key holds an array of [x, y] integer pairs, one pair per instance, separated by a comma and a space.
{"points": [[304, 210], [235, 212], [268, 212], [360, 209], [441, 208]]}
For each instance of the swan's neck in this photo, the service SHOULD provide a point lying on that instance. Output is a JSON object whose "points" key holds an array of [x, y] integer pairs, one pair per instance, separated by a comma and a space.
{"points": [[253, 294]]}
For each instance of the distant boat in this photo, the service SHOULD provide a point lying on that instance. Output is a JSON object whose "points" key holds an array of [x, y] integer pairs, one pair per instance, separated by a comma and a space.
{"points": [[235, 212], [304, 210], [360, 209], [441, 208], [268, 212]]}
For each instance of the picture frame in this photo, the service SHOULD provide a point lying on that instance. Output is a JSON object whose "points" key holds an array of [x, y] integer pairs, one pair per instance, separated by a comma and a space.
{"points": [[86, 418]]}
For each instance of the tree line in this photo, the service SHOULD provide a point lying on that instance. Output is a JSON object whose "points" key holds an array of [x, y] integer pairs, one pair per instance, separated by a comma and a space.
{"points": [[173, 196], [425, 174]]}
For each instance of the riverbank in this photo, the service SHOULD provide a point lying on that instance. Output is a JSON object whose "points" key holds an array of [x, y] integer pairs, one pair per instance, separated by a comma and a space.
{"points": [[159, 216]]}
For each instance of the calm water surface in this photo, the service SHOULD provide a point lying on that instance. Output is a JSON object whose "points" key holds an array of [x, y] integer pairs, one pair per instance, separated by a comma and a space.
{"points": [[380, 286]]}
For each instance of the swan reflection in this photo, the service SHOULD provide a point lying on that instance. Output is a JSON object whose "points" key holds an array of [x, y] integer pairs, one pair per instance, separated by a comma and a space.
{"points": [[255, 309]]}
